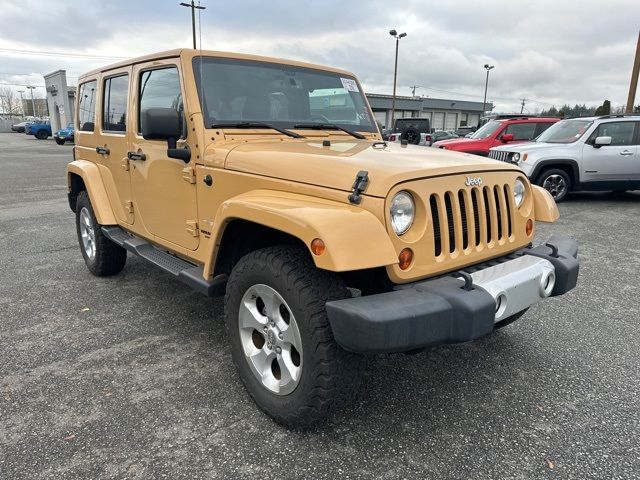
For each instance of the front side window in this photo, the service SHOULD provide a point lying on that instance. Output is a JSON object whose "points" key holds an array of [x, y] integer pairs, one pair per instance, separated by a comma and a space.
{"points": [[233, 91], [160, 88], [522, 131], [621, 133], [565, 131], [114, 104], [87, 106]]}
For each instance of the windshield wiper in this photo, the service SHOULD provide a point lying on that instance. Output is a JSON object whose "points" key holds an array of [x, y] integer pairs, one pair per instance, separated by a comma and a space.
{"points": [[329, 126], [257, 125]]}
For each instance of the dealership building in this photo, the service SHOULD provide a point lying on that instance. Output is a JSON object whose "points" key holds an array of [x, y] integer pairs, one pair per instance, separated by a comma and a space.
{"points": [[443, 114]]}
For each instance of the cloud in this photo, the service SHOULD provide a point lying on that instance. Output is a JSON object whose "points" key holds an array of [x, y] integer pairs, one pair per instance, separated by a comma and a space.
{"points": [[551, 52]]}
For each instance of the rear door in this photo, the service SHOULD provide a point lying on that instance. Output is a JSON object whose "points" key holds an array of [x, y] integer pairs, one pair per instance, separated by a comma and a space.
{"points": [[617, 162], [112, 141]]}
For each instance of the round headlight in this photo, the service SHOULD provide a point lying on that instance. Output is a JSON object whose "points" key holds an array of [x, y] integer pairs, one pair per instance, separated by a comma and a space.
{"points": [[516, 157], [402, 212], [519, 192]]}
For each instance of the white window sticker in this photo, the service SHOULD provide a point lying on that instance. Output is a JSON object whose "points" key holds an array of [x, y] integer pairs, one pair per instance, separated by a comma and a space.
{"points": [[349, 84]]}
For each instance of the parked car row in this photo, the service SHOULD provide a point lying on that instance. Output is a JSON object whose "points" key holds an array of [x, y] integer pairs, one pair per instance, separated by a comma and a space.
{"points": [[417, 131], [42, 130]]}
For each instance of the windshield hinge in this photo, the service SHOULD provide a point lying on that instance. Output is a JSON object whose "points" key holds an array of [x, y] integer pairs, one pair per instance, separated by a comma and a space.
{"points": [[359, 186], [189, 175]]}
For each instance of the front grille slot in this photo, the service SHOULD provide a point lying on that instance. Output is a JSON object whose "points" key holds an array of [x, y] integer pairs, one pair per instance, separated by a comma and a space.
{"points": [[471, 218]]}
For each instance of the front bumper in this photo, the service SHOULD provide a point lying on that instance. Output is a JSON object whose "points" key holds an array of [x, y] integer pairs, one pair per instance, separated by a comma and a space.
{"points": [[456, 308]]}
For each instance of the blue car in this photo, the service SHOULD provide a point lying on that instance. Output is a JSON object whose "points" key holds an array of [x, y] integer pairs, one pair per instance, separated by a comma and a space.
{"points": [[41, 130], [64, 135]]}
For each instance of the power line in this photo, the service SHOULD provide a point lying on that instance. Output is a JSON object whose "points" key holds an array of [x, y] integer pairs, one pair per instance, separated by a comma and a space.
{"points": [[59, 54]]}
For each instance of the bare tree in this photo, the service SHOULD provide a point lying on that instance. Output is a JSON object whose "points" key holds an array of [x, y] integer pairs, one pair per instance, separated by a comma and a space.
{"points": [[9, 103]]}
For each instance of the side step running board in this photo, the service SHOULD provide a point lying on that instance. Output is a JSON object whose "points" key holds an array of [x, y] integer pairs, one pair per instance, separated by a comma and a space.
{"points": [[186, 272]]}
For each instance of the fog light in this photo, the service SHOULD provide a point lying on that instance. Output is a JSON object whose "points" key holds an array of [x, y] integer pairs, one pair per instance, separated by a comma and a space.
{"points": [[317, 246], [529, 227], [405, 258]]}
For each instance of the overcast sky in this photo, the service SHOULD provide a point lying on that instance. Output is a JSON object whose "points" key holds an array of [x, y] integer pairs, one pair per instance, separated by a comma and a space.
{"points": [[548, 51]]}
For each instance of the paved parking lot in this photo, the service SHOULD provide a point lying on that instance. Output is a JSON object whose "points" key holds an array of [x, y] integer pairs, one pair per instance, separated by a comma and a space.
{"points": [[130, 376]]}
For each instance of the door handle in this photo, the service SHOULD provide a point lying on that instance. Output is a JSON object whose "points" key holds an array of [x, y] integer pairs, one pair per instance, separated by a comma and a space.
{"points": [[626, 152], [102, 150], [136, 156]]}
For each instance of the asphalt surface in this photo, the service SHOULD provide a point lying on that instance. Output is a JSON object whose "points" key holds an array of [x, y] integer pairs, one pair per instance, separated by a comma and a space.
{"points": [[131, 377]]}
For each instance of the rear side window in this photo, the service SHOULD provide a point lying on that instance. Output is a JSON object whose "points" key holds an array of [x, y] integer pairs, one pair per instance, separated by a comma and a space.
{"points": [[160, 89], [114, 104], [541, 127], [621, 133], [522, 131], [87, 106]]}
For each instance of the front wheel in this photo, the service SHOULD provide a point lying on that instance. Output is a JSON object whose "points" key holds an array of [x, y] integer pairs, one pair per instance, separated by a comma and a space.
{"points": [[281, 340], [556, 182], [101, 255], [42, 135], [59, 141]]}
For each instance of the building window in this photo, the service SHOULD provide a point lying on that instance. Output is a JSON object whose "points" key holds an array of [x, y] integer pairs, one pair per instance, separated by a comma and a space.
{"points": [[464, 117]]}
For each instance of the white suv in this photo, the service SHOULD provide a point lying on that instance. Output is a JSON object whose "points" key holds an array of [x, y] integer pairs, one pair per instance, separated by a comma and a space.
{"points": [[589, 153]]}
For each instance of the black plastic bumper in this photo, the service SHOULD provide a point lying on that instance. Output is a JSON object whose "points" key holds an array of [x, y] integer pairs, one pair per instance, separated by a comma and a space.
{"points": [[437, 311]]}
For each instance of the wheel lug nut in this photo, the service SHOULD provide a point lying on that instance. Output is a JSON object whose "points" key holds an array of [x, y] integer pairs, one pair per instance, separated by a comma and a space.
{"points": [[280, 336], [264, 329], [278, 350]]}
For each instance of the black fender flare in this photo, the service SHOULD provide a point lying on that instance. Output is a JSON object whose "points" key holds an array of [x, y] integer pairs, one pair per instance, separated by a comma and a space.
{"points": [[544, 164]]}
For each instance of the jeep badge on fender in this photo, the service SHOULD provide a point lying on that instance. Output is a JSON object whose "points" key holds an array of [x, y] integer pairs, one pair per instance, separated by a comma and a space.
{"points": [[316, 269]]}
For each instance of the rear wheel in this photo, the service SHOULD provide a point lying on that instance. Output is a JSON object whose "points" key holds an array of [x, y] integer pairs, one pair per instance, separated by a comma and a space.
{"points": [[101, 255], [281, 340], [556, 182], [42, 135], [59, 141]]}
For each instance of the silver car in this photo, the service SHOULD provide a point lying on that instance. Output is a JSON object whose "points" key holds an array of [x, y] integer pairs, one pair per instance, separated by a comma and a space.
{"points": [[589, 153]]}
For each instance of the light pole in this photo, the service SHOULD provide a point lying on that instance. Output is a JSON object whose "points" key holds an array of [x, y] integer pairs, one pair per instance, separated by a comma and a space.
{"points": [[487, 67], [33, 103], [397, 36], [193, 8], [21, 102]]}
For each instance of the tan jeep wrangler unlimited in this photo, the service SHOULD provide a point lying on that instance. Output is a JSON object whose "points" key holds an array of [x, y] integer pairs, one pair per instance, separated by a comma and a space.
{"points": [[267, 181]]}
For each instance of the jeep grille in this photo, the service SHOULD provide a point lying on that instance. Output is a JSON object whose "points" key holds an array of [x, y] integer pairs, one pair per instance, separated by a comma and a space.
{"points": [[456, 219], [501, 155]]}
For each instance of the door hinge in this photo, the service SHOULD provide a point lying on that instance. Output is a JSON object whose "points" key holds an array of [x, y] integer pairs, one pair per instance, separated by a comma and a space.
{"points": [[125, 164], [189, 174], [192, 228], [129, 206]]}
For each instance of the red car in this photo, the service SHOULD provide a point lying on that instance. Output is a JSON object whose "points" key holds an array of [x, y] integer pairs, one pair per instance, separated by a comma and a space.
{"points": [[498, 132]]}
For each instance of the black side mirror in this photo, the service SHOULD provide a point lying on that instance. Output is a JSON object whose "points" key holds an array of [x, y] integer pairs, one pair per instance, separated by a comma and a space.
{"points": [[164, 124]]}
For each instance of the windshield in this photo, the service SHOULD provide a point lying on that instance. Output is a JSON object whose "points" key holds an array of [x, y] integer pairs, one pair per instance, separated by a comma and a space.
{"points": [[235, 91], [487, 129], [565, 131]]}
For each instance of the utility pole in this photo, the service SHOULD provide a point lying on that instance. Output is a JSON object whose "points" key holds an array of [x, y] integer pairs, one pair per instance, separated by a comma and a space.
{"points": [[395, 35], [413, 89], [633, 86], [21, 102], [487, 67], [193, 7], [33, 103], [523, 100]]}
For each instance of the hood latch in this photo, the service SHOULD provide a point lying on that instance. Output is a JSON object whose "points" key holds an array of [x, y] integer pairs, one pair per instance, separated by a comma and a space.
{"points": [[359, 186]]}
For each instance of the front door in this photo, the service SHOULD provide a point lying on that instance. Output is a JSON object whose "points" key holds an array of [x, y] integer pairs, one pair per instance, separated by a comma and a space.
{"points": [[617, 162], [163, 192]]}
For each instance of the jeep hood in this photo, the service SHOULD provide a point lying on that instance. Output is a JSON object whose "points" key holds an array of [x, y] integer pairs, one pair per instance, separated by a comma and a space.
{"points": [[335, 166], [530, 147]]}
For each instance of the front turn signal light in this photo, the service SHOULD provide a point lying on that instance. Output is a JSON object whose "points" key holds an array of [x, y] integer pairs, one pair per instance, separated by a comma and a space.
{"points": [[317, 246], [529, 227], [405, 258]]}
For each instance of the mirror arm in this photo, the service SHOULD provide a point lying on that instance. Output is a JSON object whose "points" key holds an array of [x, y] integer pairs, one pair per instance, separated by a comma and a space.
{"points": [[183, 154]]}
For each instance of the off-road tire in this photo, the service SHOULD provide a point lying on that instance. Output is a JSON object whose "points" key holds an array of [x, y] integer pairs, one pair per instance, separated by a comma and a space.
{"points": [[109, 258], [545, 174], [509, 320], [59, 141], [411, 135], [42, 135], [330, 376]]}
